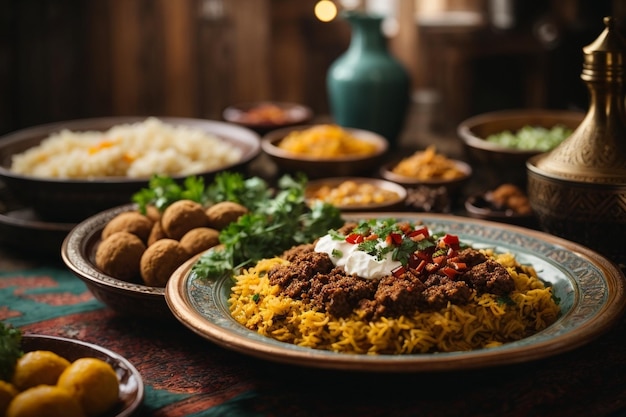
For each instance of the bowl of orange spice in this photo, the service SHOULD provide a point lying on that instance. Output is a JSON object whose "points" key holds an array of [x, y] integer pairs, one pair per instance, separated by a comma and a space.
{"points": [[428, 168], [325, 150]]}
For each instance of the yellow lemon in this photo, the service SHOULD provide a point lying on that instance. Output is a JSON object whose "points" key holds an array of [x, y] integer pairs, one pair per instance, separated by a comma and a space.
{"points": [[38, 367], [7, 392], [44, 401], [93, 382]]}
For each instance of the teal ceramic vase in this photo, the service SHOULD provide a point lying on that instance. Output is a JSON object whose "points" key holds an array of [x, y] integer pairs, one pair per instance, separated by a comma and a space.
{"points": [[367, 87]]}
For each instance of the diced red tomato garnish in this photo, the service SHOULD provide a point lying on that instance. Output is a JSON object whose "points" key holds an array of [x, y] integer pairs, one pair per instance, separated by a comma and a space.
{"points": [[451, 240], [459, 266], [439, 260], [355, 238], [421, 265], [396, 237], [393, 239], [398, 271], [417, 232], [449, 271]]}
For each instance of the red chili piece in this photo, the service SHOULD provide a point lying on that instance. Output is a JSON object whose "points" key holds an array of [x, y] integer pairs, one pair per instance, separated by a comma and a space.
{"points": [[450, 272], [421, 231], [398, 271], [355, 238], [451, 240]]}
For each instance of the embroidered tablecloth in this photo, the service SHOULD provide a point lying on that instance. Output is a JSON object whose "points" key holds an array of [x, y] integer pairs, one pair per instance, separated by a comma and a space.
{"points": [[185, 375]]}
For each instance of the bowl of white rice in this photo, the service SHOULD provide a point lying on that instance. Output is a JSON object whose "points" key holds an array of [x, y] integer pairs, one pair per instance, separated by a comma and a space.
{"points": [[70, 170]]}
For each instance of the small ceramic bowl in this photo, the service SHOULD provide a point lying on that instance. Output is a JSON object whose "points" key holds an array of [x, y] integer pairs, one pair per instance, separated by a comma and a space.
{"points": [[313, 167], [264, 116], [452, 186], [72, 200], [78, 252], [355, 193], [479, 207], [131, 384], [509, 164]]}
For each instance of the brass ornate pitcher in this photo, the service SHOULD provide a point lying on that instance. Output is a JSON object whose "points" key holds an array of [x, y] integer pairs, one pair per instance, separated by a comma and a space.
{"points": [[578, 190]]}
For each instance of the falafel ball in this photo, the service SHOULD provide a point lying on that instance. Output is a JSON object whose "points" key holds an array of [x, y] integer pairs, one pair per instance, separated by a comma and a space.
{"points": [[119, 255], [160, 260], [199, 239], [156, 233], [182, 216], [131, 222], [153, 213], [222, 214]]}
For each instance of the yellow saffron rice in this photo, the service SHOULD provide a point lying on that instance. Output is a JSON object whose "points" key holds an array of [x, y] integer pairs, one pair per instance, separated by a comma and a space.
{"points": [[486, 321]]}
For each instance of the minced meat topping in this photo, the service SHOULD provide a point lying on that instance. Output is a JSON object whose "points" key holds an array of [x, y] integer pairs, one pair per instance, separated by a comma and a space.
{"points": [[313, 278]]}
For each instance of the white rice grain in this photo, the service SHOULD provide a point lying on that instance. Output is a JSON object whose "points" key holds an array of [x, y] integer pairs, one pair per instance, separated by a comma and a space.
{"points": [[137, 150]]}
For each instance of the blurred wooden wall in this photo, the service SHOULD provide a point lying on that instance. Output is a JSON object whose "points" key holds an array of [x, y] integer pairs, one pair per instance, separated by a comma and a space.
{"points": [[66, 59]]}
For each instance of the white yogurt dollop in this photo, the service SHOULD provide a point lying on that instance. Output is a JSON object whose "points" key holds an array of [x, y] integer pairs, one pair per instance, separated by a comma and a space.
{"points": [[354, 261]]}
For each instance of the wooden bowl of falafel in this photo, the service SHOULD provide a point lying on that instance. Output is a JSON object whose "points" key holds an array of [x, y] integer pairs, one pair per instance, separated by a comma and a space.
{"points": [[125, 257]]}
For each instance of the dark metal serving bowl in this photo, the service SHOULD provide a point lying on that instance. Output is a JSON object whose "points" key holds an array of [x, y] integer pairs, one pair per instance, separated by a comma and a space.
{"points": [[71, 200], [78, 252]]}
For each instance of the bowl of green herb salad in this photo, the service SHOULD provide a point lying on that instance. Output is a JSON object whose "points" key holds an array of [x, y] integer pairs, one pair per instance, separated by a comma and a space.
{"points": [[126, 254], [502, 141]]}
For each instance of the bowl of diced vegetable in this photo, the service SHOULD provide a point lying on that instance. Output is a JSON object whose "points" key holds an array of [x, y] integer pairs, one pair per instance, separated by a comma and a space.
{"points": [[503, 140]]}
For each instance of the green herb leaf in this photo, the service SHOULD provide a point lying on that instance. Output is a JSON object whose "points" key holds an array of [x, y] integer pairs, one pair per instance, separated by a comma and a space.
{"points": [[273, 225], [162, 191], [10, 350], [369, 247]]}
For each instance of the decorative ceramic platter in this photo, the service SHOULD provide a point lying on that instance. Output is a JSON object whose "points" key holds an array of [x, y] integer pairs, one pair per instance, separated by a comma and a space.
{"points": [[131, 384], [591, 290]]}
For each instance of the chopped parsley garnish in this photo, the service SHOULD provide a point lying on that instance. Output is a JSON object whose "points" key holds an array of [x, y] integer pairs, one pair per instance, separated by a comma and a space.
{"points": [[335, 235], [403, 252], [402, 248], [369, 247]]}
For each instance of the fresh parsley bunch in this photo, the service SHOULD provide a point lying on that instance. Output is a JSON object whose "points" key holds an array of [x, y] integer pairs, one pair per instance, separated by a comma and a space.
{"points": [[162, 191], [274, 224], [277, 220]]}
